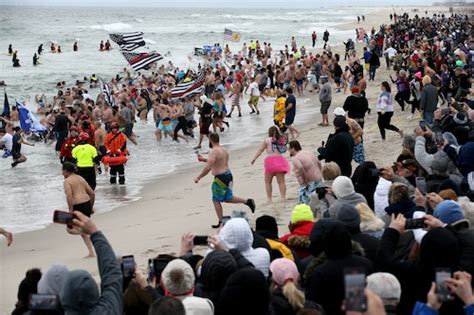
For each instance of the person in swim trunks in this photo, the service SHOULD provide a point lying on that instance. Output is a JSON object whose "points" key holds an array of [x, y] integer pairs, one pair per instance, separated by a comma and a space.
{"points": [[218, 164], [80, 197]]}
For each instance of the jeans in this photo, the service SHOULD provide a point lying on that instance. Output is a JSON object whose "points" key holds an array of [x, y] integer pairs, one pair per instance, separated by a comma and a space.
{"points": [[428, 117]]}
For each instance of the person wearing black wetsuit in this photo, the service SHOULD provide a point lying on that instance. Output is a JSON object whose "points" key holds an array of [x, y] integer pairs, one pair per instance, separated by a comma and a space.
{"points": [[40, 49], [61, 128], [35, 60]]}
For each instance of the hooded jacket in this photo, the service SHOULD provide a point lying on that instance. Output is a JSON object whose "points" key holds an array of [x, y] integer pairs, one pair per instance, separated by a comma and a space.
{"points": [[298, 238], [80, 295], [216, 268], [326, 285], [245, 292], [438, 249], [52, 281], [281, 306], [339, 149], [236, 234]]}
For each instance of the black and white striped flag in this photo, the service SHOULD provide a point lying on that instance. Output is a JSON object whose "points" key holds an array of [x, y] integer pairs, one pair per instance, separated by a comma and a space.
{"points": [[128, 41], [107, 92], [140, 61], [195, 86]]}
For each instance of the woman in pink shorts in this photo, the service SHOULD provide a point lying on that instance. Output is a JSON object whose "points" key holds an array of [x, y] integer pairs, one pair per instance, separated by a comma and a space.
{"points": [[275, 163]]}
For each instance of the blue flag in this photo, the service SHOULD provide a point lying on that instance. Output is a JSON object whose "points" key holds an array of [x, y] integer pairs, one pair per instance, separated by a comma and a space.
{"points": [[6, 107], [28, 121]]}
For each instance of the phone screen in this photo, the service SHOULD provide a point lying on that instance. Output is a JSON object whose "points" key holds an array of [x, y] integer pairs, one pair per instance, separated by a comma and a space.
{"points": [[423, 125], [442, 290], [421, 185], [200, 240], [43, 302], [412, 224], [128, 266], [354, 291], [63, 217]]}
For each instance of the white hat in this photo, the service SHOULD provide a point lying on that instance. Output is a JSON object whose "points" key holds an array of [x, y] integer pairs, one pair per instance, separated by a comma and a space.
{"points": [[419, 233], [339, 111], [204, 98]]}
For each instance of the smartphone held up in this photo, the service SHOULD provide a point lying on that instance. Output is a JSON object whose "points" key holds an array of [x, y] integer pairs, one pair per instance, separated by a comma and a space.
{"points": [[63, 217]]}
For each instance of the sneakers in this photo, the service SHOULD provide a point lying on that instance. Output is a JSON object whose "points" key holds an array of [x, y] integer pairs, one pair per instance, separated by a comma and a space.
{"points": [[229, 116], [240, 115], [251, 204], [252, 112], [258, 112], [14, 164]]}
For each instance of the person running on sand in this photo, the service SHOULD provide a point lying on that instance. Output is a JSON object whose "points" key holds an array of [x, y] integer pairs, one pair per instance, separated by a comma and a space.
{"points": [[275, 164], [290, 113], [217, 163], [254, 97], [80, 197], [307, 169], [236, 95], [385, 111]]}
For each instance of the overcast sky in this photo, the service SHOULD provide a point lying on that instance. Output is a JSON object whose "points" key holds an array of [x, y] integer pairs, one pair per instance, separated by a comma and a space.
{"points": [[216, 3]]}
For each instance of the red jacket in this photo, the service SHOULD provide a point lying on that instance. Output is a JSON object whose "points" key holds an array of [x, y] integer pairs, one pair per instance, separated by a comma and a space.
{"points": [[298, 238], [66, 148]]}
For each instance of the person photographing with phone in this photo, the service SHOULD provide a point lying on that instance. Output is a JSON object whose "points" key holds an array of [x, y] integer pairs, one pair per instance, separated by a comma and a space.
{"points": [[80, 197], [79, 293]]}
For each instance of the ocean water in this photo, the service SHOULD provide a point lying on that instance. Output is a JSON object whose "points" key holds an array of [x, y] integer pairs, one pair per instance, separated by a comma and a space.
{"points": [[30, 193]]}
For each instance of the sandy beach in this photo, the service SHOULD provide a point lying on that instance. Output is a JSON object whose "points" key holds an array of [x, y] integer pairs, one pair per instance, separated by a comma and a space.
{"points": [[174, 204]]}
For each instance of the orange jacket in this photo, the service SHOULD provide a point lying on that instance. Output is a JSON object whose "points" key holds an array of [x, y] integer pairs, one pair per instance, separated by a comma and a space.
{"points": [[116, 142]]}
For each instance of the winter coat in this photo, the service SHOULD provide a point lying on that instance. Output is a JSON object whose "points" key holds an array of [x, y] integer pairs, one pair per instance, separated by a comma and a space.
{"points": [[339, 148], [80, 295], [326, 285], [438, 249], [298, 239]]}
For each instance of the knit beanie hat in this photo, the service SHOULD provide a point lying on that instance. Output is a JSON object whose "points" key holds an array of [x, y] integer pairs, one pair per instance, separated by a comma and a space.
{"points": [[460, 118], [283, 270], [266, 226], [343, 187], [302, 212], [449, 211], [178, 277], [385, 285], [349, 215]]}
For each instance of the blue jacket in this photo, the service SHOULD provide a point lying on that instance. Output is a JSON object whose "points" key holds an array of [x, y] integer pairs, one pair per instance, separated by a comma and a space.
{"points": [[423, 309]]}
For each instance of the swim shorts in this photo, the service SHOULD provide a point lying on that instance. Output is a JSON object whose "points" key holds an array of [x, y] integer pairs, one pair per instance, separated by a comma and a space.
{"points": [[299, 82], [85, 208], [305, 191], [222, 187], [254, 100], [325, 107], [166, 125]]}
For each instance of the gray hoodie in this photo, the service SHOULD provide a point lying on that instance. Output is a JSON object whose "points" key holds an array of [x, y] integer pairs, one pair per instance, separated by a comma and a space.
{"points": [[80, 295], [325, 94]]}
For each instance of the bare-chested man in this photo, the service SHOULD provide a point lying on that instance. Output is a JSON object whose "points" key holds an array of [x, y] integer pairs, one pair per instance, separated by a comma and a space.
{"points": [[107, 115], [165, 125], [99, 138], [217, 163], [300, 75], [80, 197], [236, 95]]}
